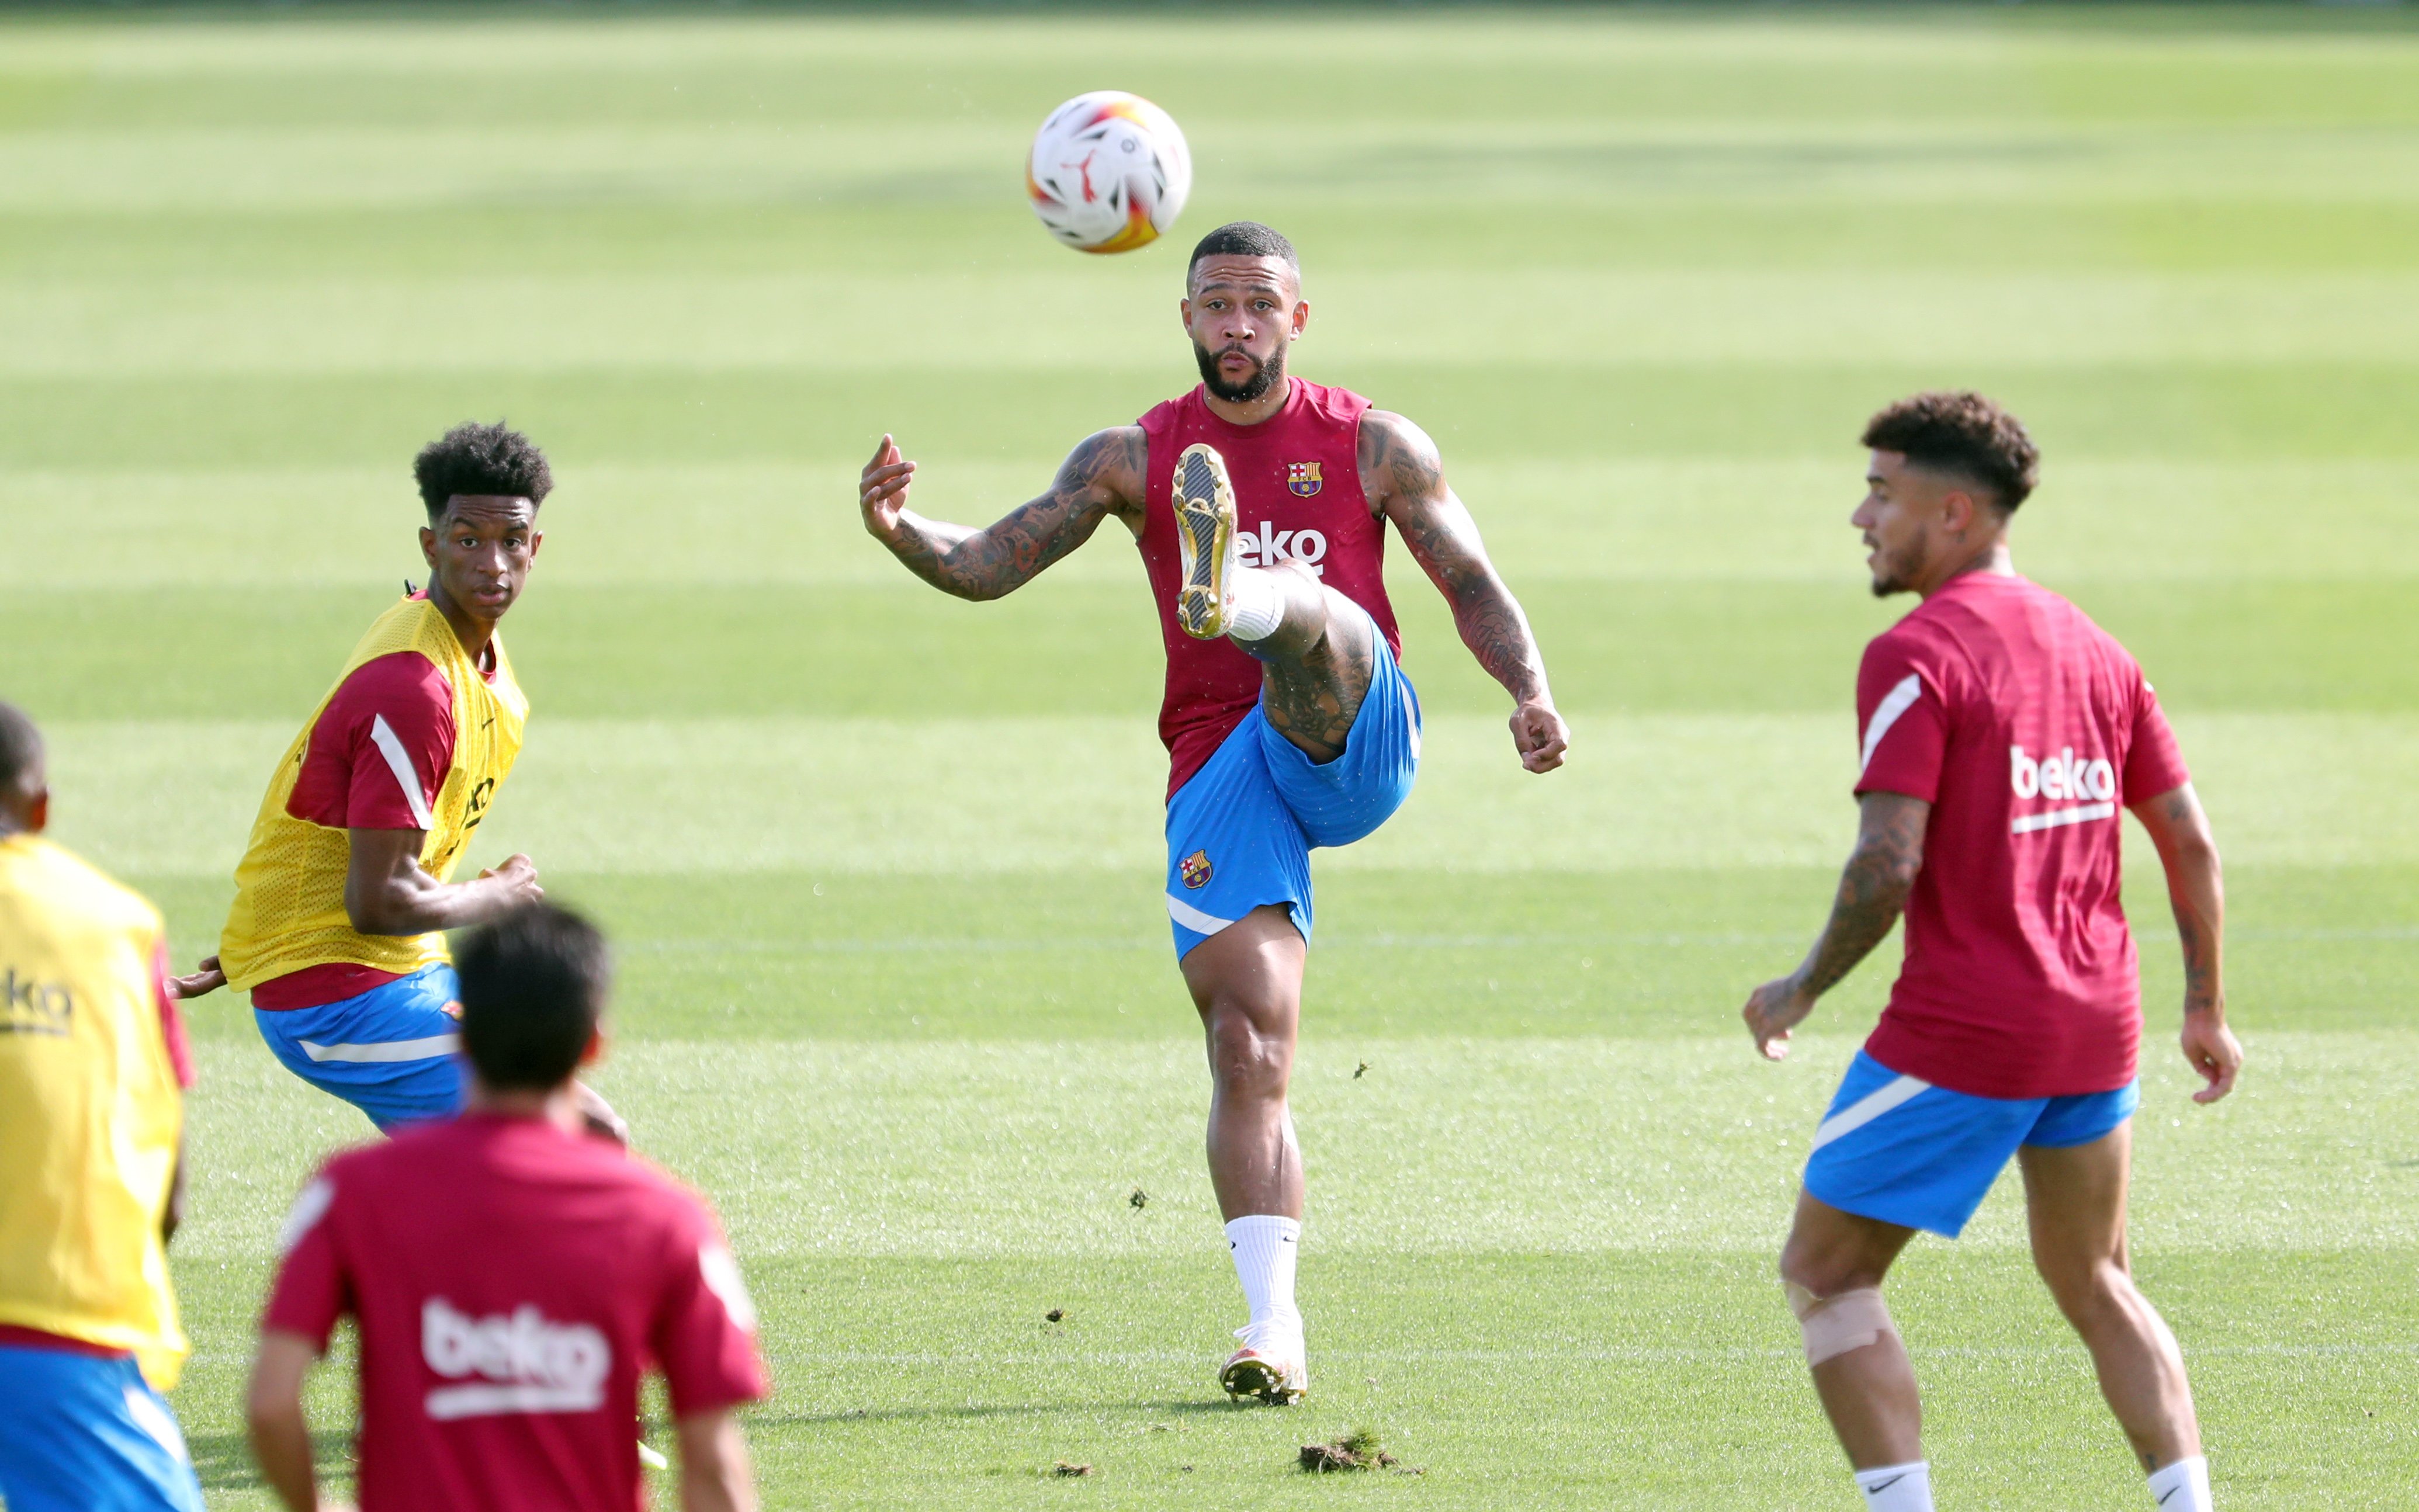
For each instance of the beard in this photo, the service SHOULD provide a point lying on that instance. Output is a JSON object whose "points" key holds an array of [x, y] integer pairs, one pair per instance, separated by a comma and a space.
{"points": [[1895, 571], [1264, 375]]}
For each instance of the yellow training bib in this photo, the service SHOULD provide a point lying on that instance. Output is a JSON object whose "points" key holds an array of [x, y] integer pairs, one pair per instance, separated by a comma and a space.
{"points": [[90, 1112], [289, 905]]}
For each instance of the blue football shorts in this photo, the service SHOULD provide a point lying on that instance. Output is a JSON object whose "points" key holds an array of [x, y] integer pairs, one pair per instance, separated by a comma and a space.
{"points": [[84, 1433], [1901, 1150], [1240, 830], [395, 1051]]}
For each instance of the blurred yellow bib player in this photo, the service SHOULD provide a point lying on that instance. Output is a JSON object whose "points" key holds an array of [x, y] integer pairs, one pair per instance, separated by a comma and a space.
{"points": [[90, 1109]]}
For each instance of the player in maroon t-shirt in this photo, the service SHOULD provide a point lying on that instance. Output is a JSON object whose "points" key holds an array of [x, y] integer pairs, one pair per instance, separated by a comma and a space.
{"points": [[1259, 503], [2001, 732], [511, 1276]]}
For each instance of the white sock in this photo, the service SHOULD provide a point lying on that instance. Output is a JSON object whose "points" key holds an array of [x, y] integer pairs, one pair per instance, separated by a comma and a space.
{"points": [[1264, 1248], [1897, 1488], [1258, 605], [2182, 1487]]}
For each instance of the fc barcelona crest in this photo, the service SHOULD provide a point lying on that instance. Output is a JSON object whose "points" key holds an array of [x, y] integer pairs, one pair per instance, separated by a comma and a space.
{"points": [[1194, 870], [1302, 478]]}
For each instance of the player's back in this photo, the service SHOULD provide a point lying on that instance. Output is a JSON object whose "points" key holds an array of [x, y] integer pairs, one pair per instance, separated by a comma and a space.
{"points": [[90, 1106], [512, 1281], [2029, 729]]}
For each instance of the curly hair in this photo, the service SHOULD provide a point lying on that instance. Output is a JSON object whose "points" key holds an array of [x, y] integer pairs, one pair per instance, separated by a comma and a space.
{"points": [[1962, 432], [473, 458]]}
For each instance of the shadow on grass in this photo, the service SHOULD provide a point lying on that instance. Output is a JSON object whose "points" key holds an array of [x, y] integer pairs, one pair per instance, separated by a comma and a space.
{"points": [[975, 1413], [223, 1461]]}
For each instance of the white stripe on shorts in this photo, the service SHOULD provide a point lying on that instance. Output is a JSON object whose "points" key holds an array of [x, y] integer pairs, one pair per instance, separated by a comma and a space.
{"points": [[1194, 918], [1864, 1109], [428, 1049]]}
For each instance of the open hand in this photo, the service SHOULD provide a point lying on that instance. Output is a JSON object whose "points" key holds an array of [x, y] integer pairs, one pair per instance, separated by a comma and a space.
{"points": [[1772, 1010], [205, 980], [881, 489], [1539, 735], [2212, 1049]]}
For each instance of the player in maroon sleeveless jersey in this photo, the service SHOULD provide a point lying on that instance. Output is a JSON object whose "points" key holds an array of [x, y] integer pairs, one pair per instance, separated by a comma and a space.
{"points": [[2002, 734], [1260, 502]]}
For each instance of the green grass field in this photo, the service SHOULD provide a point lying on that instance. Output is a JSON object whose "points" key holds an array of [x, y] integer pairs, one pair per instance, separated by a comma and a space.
{"points": [[896, 987]]}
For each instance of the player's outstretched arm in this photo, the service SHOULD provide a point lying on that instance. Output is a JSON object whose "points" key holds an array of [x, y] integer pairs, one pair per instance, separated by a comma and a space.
{"points": [[2196, 891], [1100, 477], [1402, 475], [1873, 889], [388, 892]]}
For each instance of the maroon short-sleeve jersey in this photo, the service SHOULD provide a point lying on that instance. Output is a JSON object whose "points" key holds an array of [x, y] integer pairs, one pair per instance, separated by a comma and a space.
{"points": [[511, 1282], [2029, 731]]}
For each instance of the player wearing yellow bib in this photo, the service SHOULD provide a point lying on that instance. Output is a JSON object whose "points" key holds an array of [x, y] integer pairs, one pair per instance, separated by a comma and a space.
{"points": [[347, 883], [93, 1067]]}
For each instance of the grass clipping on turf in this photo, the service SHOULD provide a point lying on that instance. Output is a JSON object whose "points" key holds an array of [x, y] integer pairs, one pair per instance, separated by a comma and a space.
{"points": [[1357, 1450]]}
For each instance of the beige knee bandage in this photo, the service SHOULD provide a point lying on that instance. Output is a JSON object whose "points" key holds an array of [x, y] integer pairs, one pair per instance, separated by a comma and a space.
{"points": [[1834, 1325]]}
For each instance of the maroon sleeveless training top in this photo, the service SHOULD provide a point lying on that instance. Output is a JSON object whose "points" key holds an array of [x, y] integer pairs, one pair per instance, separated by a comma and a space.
{"points": [[1297, 477]]}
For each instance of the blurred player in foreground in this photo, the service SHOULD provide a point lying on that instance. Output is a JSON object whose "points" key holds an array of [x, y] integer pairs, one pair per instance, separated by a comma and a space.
{"points": [[1260, 502], [344, 887], [2003, 732], [512, 1277], [93, 1064]]}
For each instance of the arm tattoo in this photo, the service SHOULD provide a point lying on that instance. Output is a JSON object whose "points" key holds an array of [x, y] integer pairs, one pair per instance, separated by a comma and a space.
{"points": [[1100, 477], [1880, 873], [1400, 468]]}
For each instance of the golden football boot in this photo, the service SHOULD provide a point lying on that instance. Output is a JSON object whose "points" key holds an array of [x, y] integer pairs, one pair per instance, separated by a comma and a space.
{"points": [[1205, 543], [1270, 1366]]}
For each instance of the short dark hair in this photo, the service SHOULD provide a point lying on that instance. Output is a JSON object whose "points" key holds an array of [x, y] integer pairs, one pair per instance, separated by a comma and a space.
{"points": [[21, 750], [1959, 431], [473, 458], [532, 987], [1243, 238]]}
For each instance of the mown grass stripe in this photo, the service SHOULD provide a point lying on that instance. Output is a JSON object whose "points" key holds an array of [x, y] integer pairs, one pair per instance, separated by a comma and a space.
{"points": [[789, 795]]}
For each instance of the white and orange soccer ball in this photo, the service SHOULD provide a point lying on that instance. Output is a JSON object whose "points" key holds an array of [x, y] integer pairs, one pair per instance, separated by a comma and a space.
{"points": [[1109, 171]]}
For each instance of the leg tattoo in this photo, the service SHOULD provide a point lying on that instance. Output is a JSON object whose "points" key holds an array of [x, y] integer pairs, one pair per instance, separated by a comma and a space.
{"points": [[1316, 669]]}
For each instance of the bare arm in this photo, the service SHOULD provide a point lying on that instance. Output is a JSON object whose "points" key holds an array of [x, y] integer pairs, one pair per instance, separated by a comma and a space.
{"points": [[1101, 476], [1873, 889], [281, 1437], [2196, 891], [1402, 475], [387, 891], [172, 1217], [713, 1472]]}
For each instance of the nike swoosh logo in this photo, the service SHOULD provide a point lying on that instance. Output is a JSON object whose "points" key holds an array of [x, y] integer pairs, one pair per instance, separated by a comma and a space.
{"points": [[1876, 1490], [2171, 1490]]}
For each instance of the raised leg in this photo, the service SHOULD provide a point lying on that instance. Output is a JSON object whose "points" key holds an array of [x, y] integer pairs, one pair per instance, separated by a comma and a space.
{"points": [[1316, 664], [1868, 1391], [2075, 1199], [1246, 981]]}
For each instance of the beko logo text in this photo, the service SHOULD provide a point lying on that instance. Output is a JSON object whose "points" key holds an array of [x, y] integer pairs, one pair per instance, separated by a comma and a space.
{"points": [[1267, 547], [2060, 775], [523, 1363]]}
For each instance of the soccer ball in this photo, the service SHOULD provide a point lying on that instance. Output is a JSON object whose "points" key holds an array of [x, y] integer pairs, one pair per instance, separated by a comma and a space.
{"points": [[1109, 171]]}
